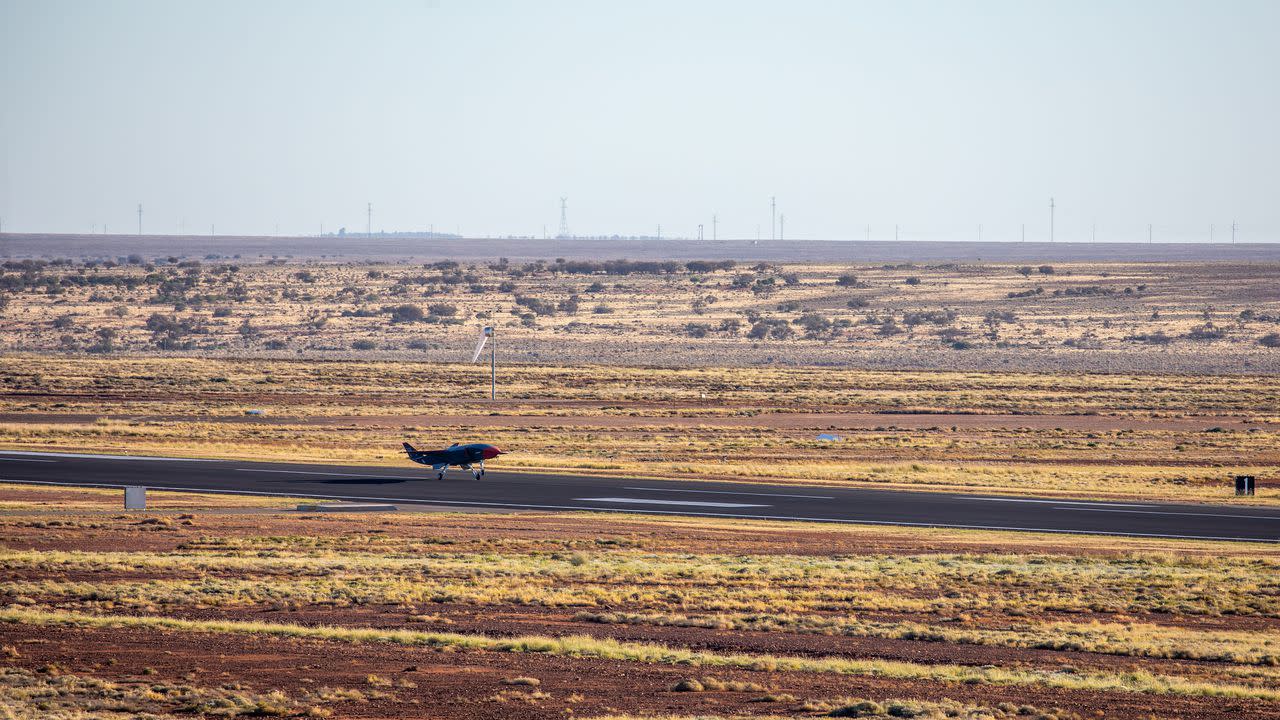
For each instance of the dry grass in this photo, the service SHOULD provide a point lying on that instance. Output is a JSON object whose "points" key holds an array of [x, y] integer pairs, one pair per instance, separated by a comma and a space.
{"points": [[927, 584], [977, 598], [1175, 437], [53, 695], [882, 709], [1167, 621], [32, 499], [1125, 639], [581, 646]]}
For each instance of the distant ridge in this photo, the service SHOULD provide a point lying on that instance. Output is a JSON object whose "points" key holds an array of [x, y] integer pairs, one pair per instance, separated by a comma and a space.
{"points": [[352, 247]]}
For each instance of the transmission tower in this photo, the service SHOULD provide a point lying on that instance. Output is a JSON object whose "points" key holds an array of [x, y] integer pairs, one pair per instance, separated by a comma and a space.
{"points": [[139, 218], [1052, 207], [564, 217], [368, 220]]}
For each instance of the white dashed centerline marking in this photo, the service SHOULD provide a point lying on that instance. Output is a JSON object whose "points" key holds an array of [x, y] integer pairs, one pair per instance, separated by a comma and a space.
{"points": [[1159, 512], [727, 492], [651, 501], [353, 476], [90, 456], [1057, 502]]}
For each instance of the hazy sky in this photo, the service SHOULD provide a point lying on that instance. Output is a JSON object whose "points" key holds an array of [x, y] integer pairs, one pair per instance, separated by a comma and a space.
{"points": [[480, 115]]}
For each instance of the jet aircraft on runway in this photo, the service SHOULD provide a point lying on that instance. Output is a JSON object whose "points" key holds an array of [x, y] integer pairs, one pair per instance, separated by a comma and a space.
{"points": [[468, 457]]}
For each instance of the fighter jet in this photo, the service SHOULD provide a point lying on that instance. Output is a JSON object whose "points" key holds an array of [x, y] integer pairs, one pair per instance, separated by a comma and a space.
{"points": [[468, 457]]}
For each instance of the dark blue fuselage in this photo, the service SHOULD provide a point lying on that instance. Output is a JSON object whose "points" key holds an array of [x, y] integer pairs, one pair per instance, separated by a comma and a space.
{"points": [[461, 455]]}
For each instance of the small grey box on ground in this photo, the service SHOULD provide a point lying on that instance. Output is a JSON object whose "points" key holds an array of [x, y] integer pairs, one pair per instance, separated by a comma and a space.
{"points": [[135, 498], [346, 507]]}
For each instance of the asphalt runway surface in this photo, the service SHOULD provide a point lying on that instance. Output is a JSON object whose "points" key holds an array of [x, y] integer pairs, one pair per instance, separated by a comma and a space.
{"points": [[413, 484]]}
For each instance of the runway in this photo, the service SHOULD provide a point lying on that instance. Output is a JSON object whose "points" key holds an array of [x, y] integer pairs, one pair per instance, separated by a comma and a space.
{"points": [[562, 491]]}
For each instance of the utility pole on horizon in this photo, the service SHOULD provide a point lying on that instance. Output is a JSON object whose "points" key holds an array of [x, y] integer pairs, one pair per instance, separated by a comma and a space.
{"points": [[368, 220], [773, 218], [1148, 233], [1233, 232], [1024, 232], [1052, 208], [139, 218], [714, 221], [895, 232]]}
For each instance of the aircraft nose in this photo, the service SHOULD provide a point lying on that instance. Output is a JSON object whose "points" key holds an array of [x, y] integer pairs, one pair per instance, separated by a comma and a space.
{"points": [[491, 452]]}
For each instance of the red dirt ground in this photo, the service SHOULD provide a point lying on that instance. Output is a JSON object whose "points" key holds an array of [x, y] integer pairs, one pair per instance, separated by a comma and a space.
{"points": [[460, 684]]}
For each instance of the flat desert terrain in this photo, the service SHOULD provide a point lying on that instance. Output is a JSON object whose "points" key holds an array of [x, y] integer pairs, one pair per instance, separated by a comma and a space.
{"points": [[1192, 317], [1161, 437], [200, 607], [1111, 380]]}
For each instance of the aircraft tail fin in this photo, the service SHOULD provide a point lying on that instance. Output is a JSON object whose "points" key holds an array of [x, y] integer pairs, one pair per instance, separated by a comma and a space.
{"points": [[409, 448]]}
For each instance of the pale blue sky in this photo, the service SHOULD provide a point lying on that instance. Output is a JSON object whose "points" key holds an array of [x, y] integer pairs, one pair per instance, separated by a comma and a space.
{"points": [[479, 115]]}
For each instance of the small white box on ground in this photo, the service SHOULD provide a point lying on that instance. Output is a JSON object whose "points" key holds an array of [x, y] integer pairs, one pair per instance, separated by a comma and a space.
{"points": [[135, 498]]}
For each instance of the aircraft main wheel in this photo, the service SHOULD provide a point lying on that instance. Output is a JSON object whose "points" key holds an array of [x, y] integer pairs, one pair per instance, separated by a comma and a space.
{"points": [[440, 476]]}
